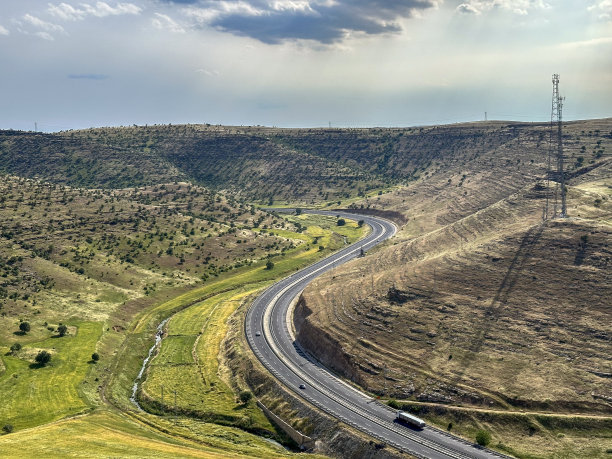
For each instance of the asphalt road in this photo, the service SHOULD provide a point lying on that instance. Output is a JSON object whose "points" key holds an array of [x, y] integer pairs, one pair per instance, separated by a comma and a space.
{"points": [[269, 335]]}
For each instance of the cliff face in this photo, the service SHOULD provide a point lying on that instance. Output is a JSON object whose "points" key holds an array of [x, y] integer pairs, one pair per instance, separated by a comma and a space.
{"points": [[321, 344]]}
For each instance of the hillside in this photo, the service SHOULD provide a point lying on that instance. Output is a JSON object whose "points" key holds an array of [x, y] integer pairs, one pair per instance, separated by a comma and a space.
{"points": [[244, 162], [479, 304], [476, 315], [306, 166], [61, 244]]}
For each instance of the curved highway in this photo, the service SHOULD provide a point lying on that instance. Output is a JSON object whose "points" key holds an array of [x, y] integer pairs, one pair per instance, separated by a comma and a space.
{"points": [[269, 335]]}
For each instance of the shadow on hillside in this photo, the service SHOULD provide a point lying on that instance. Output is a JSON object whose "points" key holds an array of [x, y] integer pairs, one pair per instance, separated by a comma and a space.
{"points": [[581, 252], [36, 365], [492, 313]]}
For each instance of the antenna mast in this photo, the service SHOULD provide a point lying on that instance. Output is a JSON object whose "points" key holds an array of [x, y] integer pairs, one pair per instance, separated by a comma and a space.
{"points": [[556, 143]]}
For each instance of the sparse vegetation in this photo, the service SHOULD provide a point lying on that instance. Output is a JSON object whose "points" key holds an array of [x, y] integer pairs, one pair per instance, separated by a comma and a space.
{"points": [[103, 256]]}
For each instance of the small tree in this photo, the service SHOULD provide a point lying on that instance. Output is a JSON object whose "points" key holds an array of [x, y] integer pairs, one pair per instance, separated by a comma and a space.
{"points": [[269, 264], [62, 329], [95, 357], [8, 428], [341, 222], [24, 327], [245, 396], [15, 348], [483, 438], [43, 358], [360, 223]]}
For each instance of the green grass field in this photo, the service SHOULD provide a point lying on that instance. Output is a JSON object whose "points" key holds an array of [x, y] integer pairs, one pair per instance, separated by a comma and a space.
{"points": [[108, 434], [32, 396], [188, 364]]}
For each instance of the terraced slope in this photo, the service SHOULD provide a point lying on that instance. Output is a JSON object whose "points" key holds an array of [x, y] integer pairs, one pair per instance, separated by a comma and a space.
{"points": [[480, 305]]}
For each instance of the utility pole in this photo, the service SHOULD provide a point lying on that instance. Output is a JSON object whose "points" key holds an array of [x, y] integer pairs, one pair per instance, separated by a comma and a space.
{"points": [[486, 116]]}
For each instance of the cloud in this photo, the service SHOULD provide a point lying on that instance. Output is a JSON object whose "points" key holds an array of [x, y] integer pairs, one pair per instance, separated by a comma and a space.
{"points": [[4, 31], [68, 12], [210, 73], [587, 43], [40, 24], [603, 8], [519, 7], [32, 25], [466, 8], [323, 21], [87, 76], [164, 22]]}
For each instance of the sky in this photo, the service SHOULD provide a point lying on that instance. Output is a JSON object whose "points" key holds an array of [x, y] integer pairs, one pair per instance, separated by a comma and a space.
{"points": [[300, 63]]}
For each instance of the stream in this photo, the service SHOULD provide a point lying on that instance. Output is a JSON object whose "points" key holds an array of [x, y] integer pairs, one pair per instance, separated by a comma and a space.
{"points": [[158, 339]]}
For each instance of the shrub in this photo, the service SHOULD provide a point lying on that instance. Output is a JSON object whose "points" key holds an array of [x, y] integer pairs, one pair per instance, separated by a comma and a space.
{"points": [[245, 396], [483, 438], [393, 404], [341, 222], [8, 428], [24, 327], [15, 348], [269, 265], [95, 357], [43, 358], [62, 329]]}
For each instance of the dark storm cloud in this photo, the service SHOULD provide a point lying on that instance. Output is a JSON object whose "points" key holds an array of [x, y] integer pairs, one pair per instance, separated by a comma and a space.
{"points": [[325, 22]]}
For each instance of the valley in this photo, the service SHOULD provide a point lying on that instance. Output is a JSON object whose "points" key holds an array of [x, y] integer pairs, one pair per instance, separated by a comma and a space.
{"points": [[476, 315]]}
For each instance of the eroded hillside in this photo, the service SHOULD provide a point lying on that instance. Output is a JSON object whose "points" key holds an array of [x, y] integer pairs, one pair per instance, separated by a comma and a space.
{"points": [[479, 303]]}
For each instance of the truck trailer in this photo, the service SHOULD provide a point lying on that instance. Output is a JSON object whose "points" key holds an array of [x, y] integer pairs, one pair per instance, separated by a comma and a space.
{"points": [[411, 420]]}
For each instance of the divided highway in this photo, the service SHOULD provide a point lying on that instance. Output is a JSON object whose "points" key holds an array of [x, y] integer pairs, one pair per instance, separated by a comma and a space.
{"points": [[269, 334]]}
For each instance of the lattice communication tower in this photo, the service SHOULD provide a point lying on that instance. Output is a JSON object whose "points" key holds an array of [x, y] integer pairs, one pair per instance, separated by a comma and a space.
{"points": [[556, 150]]}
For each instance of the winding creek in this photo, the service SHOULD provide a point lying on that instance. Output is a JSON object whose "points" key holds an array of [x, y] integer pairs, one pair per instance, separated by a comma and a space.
{"points": [[158, 339]]}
